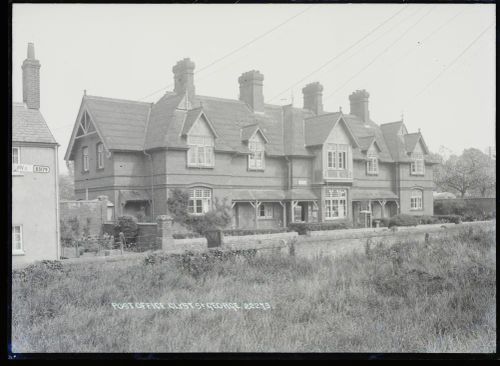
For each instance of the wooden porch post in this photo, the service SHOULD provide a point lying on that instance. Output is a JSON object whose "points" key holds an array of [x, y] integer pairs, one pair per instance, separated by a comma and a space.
{"points": [[284, 212]]}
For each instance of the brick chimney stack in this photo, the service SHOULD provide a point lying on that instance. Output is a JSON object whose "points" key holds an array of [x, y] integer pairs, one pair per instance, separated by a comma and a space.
{"points": [[184, 77], [359, 104], [31, 79], [251, 86], [313, 97]]}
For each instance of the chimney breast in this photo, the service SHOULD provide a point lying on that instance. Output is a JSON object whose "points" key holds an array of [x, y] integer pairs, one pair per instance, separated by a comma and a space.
{"points": [[184, 77], [31, 79], [313, 97], [251, 86], [359, 104]]}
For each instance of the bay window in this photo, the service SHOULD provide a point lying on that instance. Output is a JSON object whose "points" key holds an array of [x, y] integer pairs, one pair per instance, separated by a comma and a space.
{"points": [[200, 200], [335, 203], [416, 199], [337, 156], [201, 151]]}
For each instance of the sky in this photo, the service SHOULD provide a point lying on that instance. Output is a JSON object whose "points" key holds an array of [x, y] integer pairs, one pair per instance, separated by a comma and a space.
{"points": [[431, 64]]}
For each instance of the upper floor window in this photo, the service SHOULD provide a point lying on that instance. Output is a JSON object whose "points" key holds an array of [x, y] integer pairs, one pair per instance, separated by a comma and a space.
{"points": [[416, 199], [337, 156], [100, 155], [335, 203], [200, 200], [417, 165], [201, 151], [372, 164], [265, 211], [256, 158], [17, 240], [16, 155], [85, 158]]}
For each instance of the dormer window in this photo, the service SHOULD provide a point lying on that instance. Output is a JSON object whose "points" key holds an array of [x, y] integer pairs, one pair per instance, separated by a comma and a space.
{"points": [[417, 166], [372, 164], [201, 151], [256, 158]]}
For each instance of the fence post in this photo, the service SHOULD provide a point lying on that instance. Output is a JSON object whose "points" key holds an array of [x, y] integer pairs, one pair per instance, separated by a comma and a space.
{"points": [[164, 236]]}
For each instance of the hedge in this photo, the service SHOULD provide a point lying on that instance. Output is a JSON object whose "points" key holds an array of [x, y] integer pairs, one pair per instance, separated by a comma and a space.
{"points": [[304, 227], [235, 232]]}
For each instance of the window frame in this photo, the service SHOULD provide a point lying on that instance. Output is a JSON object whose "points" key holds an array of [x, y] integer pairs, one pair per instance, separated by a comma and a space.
{"points": [[267, 209], [196, 144], [257, 149], [418, 200], [337, 156], [372, 162], [203, 202], [14, 250], [100, 156], [85, 162], [335, 203], [417, 159], [18, 149]]}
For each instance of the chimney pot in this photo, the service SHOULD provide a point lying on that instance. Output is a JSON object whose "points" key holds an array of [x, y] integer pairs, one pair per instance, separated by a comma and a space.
{"points": [[184, 77], [251, 90], [313, 97], [359, 104], [31, 79]]}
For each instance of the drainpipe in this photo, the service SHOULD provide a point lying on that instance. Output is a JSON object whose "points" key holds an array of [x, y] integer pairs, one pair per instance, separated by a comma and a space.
{"points": [[152, 185], [56, 168]]}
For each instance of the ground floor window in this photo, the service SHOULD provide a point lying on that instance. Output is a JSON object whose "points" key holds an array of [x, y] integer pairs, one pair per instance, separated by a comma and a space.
{"points": [[265, 211], [416, 199], [200, 200], [17, 239], [335, 203]]}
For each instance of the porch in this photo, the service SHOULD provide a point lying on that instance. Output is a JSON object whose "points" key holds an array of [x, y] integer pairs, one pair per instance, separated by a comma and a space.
{"points": [[368, 206]]}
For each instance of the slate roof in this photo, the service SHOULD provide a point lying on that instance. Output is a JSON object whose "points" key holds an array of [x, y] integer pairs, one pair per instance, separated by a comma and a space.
{"points": [[411, 141], [137, 126], [28, 125], [121, 123]]}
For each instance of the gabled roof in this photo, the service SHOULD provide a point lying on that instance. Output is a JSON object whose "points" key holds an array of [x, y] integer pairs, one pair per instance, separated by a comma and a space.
{"points": [[411, 141], [247, 132], [28, 125], [391, 132], [366, 142], [318, 128], [192, 116]]}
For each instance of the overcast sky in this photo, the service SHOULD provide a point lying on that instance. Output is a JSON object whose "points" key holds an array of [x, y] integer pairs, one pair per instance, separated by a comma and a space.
{"points": [[413, 64]]}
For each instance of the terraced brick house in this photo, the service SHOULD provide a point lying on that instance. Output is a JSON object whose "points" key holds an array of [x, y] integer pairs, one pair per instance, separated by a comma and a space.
{"points": [[273, 164]]}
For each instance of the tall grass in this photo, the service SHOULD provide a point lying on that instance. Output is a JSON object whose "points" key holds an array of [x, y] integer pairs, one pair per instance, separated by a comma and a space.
{"points": [[408, 297]]}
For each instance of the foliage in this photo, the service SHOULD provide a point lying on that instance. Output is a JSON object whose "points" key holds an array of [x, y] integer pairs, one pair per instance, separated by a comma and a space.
{"points": [[304, 227], [218, 218], [66, 187], [403, 220], [70, 231], [127, 224], [468, 209], [473, 171]]}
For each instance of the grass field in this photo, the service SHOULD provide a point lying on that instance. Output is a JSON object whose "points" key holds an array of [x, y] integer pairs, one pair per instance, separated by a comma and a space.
{"points": [[407, 297]]}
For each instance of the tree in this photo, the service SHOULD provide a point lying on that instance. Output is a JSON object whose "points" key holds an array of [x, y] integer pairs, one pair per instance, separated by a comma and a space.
{"points": [[66, 187], [473, 171]]}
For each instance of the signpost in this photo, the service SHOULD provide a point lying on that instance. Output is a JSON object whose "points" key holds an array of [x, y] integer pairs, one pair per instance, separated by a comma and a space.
{"points": [[29, 168]]}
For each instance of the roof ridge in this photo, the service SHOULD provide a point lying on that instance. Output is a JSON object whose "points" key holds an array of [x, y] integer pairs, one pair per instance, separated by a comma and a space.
{"points": [[116, 99], [390, 123], [322, 115]]}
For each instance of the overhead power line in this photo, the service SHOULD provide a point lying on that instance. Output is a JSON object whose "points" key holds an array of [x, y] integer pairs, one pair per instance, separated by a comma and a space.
{"points": [[381, 53], [339, 54], [237, 49], [454, 61]]}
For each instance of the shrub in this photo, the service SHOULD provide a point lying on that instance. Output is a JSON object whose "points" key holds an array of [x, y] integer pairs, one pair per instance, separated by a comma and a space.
{"points": [[186, 235], [403, 220], [455, 219], [304, 227], [127, 224]]}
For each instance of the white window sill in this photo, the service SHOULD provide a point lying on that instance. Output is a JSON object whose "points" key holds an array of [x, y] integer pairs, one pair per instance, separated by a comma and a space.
{"points": [[18, 253], [196, 214], [416, 209], [201, 166]]}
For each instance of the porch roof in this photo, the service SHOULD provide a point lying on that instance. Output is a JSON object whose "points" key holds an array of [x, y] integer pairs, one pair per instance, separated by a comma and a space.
{"points": [[301, 194], [134, 195], [257, 195], [373, 194]]}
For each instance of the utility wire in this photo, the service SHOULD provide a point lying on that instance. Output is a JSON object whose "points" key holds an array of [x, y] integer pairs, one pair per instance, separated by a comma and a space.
{"points": [[451, 63], [381, 53], [341, 53], [236, 50]]}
